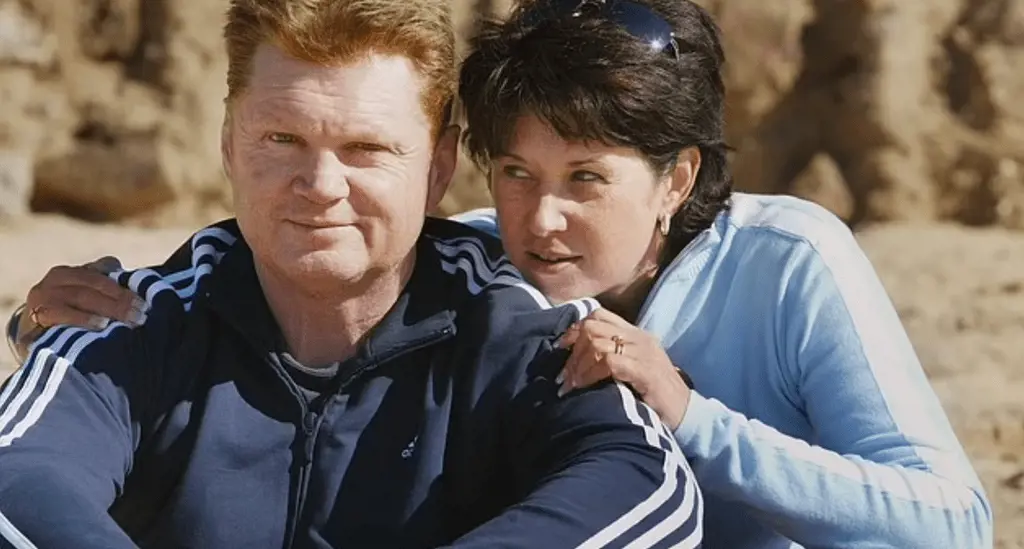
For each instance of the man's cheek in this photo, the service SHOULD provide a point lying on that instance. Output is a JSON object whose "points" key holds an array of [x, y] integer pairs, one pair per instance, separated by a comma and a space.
{"points": [[266, 171]]}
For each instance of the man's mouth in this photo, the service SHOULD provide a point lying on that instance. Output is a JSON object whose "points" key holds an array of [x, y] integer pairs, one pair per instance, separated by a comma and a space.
{"points": [[318, 224]]}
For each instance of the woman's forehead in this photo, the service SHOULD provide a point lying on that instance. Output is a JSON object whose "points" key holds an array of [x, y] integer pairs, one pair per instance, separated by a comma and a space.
{"points": [[531, 133]]}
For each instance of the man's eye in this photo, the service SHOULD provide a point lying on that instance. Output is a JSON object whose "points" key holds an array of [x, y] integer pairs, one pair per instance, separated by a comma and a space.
{"points": [[586, 176], [284, 138], [369, 147]]}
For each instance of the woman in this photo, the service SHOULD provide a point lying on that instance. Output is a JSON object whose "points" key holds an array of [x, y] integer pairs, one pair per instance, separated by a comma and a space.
{"points": [[811, 422]]}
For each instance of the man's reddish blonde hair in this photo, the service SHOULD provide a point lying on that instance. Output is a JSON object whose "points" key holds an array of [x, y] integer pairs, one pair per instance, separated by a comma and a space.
{"points": [[330, 32]]}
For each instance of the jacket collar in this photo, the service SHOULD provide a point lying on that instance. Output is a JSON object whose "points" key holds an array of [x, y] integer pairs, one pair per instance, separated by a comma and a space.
{"points": [[422, 314]]}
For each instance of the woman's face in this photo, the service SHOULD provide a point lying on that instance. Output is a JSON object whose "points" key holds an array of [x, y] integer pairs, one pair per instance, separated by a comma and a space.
{"points": [[578, 219]]}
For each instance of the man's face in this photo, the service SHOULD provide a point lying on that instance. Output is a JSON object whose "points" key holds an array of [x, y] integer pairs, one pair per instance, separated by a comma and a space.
{"points": [[333, 168]]}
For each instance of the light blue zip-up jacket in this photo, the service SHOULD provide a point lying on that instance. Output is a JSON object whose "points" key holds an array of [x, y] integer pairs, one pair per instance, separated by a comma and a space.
{"points": [[812, 423]]}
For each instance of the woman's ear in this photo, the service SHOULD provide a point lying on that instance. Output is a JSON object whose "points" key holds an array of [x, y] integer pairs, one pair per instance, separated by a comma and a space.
{"points": [[682, 179]]}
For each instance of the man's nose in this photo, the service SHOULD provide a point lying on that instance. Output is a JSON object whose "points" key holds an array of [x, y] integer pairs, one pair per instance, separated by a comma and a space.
{"points": [[547, 216], [325, 180]]}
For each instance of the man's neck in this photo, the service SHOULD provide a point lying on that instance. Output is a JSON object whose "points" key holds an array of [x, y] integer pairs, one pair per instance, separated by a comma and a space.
{"points": [[326, 323]]}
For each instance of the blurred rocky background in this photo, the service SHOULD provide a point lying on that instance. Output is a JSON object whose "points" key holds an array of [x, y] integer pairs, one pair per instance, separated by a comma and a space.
{"points": [[904, 117], [878, 109]]}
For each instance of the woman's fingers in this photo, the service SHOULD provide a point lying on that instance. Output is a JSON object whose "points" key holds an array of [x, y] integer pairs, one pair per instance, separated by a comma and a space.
{"points": [[588, 363], [593, 357], [127, 308], [569, 337], [62, 314], [89, 276], [105, 265], [611, 367], [608, 317], [83, 307], [66, 291]]}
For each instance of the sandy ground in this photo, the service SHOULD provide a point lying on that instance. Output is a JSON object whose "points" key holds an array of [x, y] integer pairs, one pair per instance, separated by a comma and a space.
{"points": [[960, 292]]}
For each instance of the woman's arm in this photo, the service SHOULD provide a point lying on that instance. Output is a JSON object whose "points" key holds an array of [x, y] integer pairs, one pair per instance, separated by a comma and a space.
{"points": [[886, 469], [82, 296]]}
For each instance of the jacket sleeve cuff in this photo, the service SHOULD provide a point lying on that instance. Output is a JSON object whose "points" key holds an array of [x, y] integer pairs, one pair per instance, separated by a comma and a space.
{"points": [[700, 413], [11, 332]]}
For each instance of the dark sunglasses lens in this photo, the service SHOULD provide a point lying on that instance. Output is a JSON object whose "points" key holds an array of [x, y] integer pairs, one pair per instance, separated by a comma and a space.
{"points": [[643, 24], [636, 19]]}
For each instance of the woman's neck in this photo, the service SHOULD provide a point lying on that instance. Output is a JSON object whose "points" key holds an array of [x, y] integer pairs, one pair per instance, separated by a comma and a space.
{"points": [[627, 300]]}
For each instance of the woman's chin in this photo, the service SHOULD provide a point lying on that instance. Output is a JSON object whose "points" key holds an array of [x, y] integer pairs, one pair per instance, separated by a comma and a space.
{"points": [[558, 293]]}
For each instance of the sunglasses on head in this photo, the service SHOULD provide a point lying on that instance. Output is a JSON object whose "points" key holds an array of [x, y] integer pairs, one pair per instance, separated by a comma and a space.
{"points": [[638, 20]]}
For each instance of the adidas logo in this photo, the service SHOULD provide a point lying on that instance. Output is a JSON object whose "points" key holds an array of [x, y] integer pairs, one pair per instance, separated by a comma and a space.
{"points": [[410, 448]]}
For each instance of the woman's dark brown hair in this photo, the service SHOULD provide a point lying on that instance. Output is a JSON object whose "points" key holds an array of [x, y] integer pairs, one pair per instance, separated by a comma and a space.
{"points": [[593, 81]]}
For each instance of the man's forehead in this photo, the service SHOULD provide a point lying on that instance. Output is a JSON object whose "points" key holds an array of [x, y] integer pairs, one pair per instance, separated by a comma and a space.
{"points": [[381, 88], [366, 77]]}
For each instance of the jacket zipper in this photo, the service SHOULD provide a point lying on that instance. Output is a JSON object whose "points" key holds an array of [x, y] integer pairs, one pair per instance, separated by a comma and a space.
{"points": [[312, 419]]}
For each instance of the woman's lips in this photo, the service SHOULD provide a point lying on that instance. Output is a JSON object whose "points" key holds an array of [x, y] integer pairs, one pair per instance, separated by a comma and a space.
{"points": [[550, 261]]}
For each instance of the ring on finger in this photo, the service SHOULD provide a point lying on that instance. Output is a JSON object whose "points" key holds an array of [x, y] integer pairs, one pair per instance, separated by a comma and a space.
{"points": [[33, 315], [619, 344]]}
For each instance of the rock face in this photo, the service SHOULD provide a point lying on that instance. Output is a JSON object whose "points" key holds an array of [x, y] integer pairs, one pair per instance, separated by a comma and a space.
{"points": [[118, 102], [912, 101], [879, 109], [15, 184]]}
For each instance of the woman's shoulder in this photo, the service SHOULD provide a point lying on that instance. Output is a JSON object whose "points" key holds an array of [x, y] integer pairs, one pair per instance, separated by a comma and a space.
{"points": [[766, 236], [783, 217]]}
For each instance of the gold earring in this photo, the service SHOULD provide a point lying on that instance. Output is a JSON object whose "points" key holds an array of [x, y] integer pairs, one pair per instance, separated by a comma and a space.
{"points": [[664, 224]]}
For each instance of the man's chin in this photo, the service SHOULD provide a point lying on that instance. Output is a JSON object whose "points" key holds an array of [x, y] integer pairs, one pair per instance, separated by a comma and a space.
{"points": [[330, 264]]}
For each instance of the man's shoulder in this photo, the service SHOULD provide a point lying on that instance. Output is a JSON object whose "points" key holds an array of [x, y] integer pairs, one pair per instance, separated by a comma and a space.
{"points": [[168, 288], [449, 233], [495, 303], [482, 271], [177, 279]]}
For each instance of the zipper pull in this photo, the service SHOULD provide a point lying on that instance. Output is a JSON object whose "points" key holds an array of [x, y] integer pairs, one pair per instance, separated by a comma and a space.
{"points": [[308, 432]]}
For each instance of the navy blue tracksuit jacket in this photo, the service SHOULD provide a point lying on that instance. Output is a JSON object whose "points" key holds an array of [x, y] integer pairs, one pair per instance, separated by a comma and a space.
{"points": [[443, 430]]}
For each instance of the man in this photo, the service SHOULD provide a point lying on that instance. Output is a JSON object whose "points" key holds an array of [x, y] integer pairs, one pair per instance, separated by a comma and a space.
{"points": [[330, 369]]}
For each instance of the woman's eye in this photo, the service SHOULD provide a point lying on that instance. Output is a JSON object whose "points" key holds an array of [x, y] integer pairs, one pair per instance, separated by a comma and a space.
{"points": [[283, 138], [515, 172]]}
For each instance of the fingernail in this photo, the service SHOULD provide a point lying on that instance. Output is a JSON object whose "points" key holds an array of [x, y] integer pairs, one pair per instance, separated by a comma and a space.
{"points": [[107, 265], [136, 318], [557, 344], [565, 388], [560, 378], [99, 322], [140, 304]]}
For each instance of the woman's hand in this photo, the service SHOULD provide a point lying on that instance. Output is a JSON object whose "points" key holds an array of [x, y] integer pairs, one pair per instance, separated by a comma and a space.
{"points": [[81, 296], [604, 345]]}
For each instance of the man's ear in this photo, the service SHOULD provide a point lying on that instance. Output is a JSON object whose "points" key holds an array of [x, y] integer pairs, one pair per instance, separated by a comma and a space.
{"points": [[442, 166], [225, 143], [682, 179]]}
